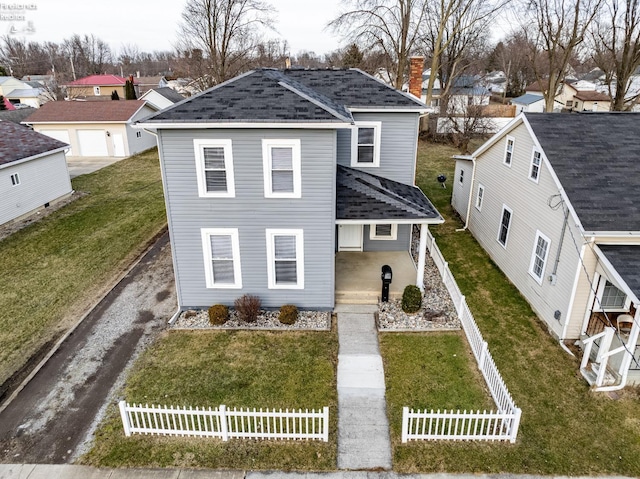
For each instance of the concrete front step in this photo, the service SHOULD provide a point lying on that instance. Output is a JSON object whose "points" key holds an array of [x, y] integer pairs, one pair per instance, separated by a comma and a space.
{"points": [[361, 297]]}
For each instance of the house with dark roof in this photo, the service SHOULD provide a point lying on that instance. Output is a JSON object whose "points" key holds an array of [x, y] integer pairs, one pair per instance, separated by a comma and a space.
{"points": [[274, 177], [573, 96], [33, 171], [95, 129], [551, 198], [162, 98]]}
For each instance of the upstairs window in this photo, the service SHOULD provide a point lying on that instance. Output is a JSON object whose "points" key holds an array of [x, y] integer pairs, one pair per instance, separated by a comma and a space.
{"points": [[214, 168], [366, 144], [505, 224], [281, 165], [508, 151], [534, 172], [285, 259], [15, 179]]}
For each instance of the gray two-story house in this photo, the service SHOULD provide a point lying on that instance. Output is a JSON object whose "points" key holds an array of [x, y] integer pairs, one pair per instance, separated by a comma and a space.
{"points": [[268, 175]]}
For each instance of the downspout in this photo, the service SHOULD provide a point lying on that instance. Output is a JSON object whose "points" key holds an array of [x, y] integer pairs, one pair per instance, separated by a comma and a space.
{"points": [[473, 177]]}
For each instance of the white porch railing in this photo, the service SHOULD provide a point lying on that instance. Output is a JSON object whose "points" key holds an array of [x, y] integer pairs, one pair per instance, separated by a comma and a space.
{"points": [[501, 425], [225, 423]]}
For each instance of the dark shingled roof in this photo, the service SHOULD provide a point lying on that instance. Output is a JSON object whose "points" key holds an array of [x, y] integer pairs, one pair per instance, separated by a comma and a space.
{"points": [[269, 95], [84, 111], [626, 261], [596, 157], [169, 93], [18, 142], [363, 196]]}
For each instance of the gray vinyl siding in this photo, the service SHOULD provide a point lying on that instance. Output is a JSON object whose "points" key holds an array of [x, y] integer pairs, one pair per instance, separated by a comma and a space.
{"points": [[460, 193], [42, 180], [528, 201], [400, 244], [251, 213], [147, 140], [398, 143]]}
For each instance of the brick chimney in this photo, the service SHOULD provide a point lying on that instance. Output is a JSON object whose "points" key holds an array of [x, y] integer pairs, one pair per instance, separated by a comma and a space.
{"points": [[416, 65]]}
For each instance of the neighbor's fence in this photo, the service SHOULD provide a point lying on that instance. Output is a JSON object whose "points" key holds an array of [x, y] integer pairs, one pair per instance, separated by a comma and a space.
{"points": [[489, 426], [225, 423]]}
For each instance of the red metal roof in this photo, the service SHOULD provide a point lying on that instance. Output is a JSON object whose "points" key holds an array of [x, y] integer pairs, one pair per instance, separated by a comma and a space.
{"points": [[85, 111], [100, 80]]}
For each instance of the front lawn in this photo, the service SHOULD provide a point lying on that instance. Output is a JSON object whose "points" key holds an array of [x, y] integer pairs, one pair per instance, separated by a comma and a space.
{"points": [[53, 270], [237, 369], [566, 429]]}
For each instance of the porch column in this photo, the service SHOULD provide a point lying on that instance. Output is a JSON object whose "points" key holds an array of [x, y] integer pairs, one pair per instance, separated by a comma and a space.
{"points": [[422, 257], [631, 347]]}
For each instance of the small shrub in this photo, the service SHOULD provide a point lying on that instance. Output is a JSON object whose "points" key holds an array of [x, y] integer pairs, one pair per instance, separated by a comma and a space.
{"points": [[190, 313], [218, 314], [411, 299], [248, 308], [288, 314]]}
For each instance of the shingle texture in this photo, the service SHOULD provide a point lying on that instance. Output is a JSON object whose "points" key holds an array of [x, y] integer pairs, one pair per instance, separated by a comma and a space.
{"points": [[626, 261], [596, 157], [169, 93], [82, 111], [269, 95], [363, 196], [18, 142]]}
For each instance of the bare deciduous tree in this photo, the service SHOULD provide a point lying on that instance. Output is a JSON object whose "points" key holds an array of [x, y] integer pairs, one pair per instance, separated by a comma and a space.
{"points": [[616, 45], [222, 35]]}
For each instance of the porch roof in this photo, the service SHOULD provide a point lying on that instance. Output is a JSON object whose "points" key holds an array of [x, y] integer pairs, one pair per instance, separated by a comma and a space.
{"points": [[363, 196], [625, 259]]}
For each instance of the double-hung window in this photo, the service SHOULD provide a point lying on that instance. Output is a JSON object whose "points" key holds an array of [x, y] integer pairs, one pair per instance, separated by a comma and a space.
{"points": [[365, 144], [505, 224], [214, 168], [221, 249], [479, 197], [534, 172], [383, 231], [281, 165], [15, 179], [539, 256], [508, 150], [285, 259]]}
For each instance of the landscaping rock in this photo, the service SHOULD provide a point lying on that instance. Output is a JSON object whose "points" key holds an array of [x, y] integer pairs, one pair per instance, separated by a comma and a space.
{"points": [[309, 320]]}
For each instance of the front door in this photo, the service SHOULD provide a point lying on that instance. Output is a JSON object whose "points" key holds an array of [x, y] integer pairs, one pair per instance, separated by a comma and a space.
{"points": [[118, 144], [349, 237]]}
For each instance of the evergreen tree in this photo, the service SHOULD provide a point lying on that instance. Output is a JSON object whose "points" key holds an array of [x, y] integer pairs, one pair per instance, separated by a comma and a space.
{"points": [[353, 57], [130, 92], [114, 95]]}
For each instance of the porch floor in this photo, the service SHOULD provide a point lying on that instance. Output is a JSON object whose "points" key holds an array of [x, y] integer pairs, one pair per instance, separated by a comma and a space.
{"points": [[358, 275]]}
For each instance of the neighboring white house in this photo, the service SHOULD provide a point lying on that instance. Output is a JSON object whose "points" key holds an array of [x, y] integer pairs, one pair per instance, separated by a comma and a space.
{"points": [[529, 103], [95, 128], [162, 98], [552, 199], [574, 96], [33, 171], [25, 96]]}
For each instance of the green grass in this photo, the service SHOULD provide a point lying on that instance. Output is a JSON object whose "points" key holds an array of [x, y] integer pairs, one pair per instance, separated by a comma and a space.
{"points": [[54, 269], [566, 429], [238, 369]]}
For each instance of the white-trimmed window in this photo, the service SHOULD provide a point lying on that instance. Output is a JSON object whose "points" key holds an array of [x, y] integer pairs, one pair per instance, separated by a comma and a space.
{"points": [[539, 255], [285, 259], [221, 249], [461, 177], [96, 90], [383, 231], [365, 144], [611, 298], [214, 168], [536, 160], [505, 224], [508, 150], [479, 197], [282, 168], [15, 179]]}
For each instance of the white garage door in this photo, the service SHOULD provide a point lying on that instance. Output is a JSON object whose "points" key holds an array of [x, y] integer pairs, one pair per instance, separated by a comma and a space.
{"points": [[93, 142], [60, 135]]}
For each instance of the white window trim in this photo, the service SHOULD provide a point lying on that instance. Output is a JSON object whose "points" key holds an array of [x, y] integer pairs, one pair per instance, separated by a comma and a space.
{"points": [[461, 176], [15, 179], [598, 303], [199, 146], [506, 240], [271, 270], [513, 148], [533, 155], [479, 197], [267, 144], [374, 237], [96, 91], [208, 259], [377, 128], [533, 257]]}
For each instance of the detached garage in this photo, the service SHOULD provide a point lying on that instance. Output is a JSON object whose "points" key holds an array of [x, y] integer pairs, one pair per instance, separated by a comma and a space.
{"points": [[95, 128]]}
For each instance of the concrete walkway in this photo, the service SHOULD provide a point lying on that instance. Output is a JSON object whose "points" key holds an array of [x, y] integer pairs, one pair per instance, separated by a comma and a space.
{"points": [[363, 428]]}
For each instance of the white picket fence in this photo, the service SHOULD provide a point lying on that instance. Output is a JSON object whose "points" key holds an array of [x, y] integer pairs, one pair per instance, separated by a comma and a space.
{"points": [[225, 423], [502, 425]]}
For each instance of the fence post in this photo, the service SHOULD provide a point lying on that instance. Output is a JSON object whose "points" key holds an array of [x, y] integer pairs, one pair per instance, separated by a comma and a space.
{"points": [[325, 425], [461, 307], [515, 424], [125, 418], [223, 422], [405, 424], [483, 355]]}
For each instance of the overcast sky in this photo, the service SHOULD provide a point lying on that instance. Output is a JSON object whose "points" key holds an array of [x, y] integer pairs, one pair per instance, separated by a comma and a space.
{"points": [[152, 24]]}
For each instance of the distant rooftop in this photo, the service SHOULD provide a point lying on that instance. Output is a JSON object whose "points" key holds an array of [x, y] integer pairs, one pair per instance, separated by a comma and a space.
{"points": [[100, 80], [18, 142]]}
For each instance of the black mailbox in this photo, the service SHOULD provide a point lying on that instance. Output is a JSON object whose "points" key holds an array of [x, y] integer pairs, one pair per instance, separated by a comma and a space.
{"points": [[386, 276]]}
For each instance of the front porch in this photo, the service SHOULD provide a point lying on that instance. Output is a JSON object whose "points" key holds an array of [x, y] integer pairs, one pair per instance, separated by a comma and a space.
{"points": [[358, 275]]}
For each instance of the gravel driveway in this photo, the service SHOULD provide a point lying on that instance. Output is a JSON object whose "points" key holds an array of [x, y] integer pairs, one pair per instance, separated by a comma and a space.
{"points": [[53, 417]]}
